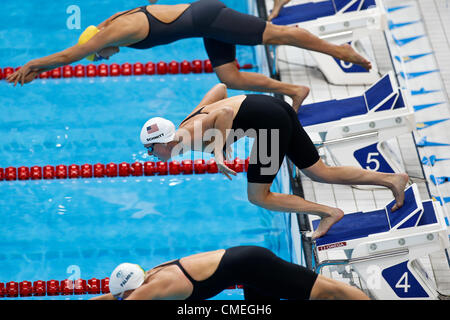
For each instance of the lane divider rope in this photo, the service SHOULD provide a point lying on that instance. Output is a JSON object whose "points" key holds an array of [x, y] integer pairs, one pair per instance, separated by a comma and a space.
{"points": [[125, 69], [13, 289], [123, 169]]}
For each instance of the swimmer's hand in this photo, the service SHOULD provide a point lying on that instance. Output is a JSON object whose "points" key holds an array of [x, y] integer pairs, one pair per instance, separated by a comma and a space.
{"points": [[225, 170], [228, 152], [24, 75]]}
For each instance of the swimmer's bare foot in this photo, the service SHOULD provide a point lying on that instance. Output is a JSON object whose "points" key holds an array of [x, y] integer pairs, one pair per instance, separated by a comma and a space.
{"points": [[327, 222], [278, 4], [299, 96], [397, 184], [349, 54]]}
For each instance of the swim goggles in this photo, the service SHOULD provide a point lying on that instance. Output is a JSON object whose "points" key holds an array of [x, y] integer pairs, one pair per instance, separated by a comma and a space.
{"points": [[119, 296], [98, 57], [150, 148]]}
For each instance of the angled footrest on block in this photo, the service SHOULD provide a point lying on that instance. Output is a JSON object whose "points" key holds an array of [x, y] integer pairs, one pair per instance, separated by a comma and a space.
{"points": [[339, 21], [384, 246], [354, 129]]}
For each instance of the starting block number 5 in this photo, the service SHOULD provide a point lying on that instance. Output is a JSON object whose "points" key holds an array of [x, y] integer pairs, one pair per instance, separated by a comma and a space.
{"points": [[370, 158]]}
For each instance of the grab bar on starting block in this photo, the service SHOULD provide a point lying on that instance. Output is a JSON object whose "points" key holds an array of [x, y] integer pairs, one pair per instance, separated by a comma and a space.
{"points": [[392, 253], [346, 139]]}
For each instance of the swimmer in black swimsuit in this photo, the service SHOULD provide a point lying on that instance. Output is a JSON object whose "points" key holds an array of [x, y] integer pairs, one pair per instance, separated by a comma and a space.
{"points": [[263, 275], [221, 28], [218, 121]]}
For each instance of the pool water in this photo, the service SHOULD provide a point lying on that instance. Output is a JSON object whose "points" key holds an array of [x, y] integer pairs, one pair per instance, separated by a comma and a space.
{"points": [[83, 228]]}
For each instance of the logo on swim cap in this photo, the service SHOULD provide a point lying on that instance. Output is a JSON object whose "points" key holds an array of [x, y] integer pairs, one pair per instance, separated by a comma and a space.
{"points": [[157, 130], [126, 276], [124, 282], [150, 139]]}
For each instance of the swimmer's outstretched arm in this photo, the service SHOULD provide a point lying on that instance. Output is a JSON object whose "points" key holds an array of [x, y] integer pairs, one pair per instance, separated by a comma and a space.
{"points": [[113, 35], [222, 121], [107, 296]]}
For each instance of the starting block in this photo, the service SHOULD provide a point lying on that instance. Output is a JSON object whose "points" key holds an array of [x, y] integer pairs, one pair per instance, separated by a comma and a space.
{"points": [[383, 247], [354, 130], [339, 22]]}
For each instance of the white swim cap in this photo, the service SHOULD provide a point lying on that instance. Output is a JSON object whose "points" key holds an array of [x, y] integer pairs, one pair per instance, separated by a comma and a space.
{"points": [[157, 130], [126, 276]]}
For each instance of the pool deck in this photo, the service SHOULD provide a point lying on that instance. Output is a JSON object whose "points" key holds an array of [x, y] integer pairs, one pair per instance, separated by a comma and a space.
{"points": [[298, 66]]}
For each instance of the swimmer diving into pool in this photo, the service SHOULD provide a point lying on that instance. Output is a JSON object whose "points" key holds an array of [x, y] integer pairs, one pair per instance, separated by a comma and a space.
{"points": [[201, 276], [221, 29], [219, 121]]}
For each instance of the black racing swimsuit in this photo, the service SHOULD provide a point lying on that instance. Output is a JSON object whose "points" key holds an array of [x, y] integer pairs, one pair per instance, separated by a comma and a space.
{"points": [[263, 275], [277, 132], [220, 27]]}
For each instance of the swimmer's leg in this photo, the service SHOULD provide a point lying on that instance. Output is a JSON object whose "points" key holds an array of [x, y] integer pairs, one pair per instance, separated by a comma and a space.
{"points": [[234, 79], [357, 176], [330, 289], [260, 195], [301, 38]]}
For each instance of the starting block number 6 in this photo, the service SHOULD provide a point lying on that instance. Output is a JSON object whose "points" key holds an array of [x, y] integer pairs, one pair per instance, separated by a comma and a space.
{"points": [[345, 65]]}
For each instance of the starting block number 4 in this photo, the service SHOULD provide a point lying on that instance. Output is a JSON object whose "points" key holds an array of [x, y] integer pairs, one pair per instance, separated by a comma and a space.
{"points": [[371, 158], [403, 282]]}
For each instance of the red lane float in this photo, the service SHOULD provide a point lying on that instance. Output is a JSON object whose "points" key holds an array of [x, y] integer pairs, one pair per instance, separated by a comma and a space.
{"points": [[86, 171], [123, 169], [187, 166], [111, 170], [138, 69], [99, 170], [161, 68], [126, 69], [68, 71], [174, 67], [61, 171], [94, 286], [137, 169], [36, 173], [39, 288], [150, 68], [10, 174], [64, 287], [49, 172], [80, 71], [23, 173], [12, 289]]}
